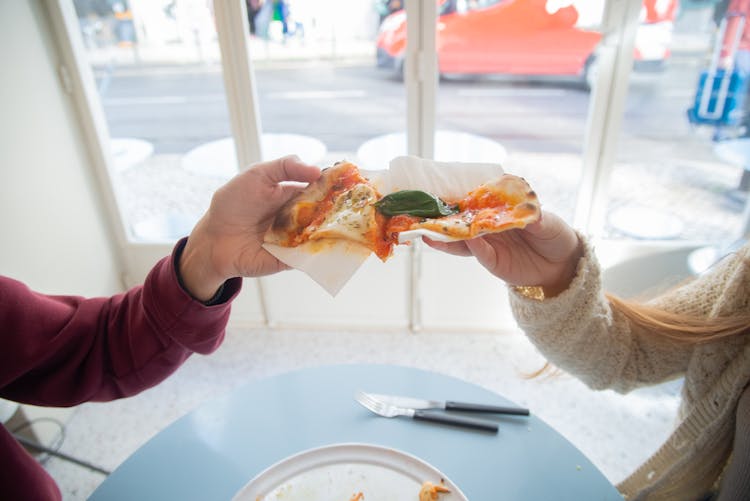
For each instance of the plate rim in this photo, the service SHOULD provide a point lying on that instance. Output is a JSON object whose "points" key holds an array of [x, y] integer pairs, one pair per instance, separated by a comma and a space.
{"points": [[304, 460]]}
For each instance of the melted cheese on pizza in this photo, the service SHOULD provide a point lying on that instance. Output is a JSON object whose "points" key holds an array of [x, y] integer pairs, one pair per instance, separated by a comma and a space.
{"points": [[352, 217], [338, 206], [312, 205]]}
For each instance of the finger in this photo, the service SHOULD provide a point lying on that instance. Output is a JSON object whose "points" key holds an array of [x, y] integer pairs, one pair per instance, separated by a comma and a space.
{"points": [[483, 251], [289, 168], [487, 255], [286, 192], [535, 228], [455, 248], [549, 225], [262, 264]]}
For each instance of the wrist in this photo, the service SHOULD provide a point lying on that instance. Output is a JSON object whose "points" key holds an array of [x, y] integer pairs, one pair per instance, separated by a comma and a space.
{"points": [[196, 271], [568, 271]]}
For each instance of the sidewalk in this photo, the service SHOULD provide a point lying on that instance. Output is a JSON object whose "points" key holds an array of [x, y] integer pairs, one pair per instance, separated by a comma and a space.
{"points": [[262, 51]]}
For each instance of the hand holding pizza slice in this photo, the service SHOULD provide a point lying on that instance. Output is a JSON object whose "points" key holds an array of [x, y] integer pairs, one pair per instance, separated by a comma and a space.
{"points": [[343, 205]]}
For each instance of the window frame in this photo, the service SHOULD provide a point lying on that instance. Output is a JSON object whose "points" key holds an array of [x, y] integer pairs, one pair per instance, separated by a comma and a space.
{"points": [[421, 85]]}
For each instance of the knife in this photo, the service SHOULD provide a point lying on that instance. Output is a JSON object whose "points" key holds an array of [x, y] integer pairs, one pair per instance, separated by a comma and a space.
{"points": [[450, 405]]}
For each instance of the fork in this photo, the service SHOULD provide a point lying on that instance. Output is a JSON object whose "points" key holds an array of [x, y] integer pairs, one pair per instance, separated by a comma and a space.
{"points": [[387, 410]]}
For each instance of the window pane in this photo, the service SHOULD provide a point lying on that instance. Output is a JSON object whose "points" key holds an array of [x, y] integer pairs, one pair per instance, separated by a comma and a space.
{"points": [[514, 82], [158, 71], [322, 96], [319, 88], [677, 172], [512, 91]]}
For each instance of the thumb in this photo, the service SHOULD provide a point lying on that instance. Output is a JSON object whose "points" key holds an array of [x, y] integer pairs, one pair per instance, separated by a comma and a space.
{"points": [[288, 168], [286, 192], [536, 228]]}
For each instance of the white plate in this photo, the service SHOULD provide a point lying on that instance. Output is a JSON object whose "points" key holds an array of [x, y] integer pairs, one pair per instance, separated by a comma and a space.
{"points": [[337, 472]]}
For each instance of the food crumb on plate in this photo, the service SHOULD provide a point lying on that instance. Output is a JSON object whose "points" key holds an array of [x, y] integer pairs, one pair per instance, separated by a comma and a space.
{"points": [[430, 491]]}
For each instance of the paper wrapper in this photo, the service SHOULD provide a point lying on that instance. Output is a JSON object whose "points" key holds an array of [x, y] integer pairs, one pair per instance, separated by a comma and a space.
{"points": [[332, 263]]}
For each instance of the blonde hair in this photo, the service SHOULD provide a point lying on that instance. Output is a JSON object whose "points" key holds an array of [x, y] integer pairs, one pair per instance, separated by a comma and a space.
{"points": [[681, 328], [675, 327]]}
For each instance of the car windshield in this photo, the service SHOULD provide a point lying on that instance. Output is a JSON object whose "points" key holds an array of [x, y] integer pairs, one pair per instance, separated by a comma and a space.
{"points": [[462, 6]]}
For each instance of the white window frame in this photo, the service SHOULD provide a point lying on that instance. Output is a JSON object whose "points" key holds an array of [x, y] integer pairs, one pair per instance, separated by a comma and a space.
{"points": [[615, 62], [421, 77]]}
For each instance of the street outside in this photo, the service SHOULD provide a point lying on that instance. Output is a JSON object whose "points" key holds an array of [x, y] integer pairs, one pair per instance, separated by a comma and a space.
{"points": [[663, 163]]}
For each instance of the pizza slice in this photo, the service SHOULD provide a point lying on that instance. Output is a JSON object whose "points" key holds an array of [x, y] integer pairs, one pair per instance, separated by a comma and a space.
{"points": [[343, 205], [502, 204], [339, 205]]}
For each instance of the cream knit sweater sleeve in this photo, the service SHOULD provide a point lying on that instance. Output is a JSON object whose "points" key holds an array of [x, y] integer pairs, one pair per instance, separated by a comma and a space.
{"points": [[578, 332]]}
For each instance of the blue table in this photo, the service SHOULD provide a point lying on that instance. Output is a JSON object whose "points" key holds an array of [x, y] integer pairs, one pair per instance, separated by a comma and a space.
{"points": [[212, 452]]}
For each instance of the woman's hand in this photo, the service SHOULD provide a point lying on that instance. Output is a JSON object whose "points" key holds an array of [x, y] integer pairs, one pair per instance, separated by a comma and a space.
{"points": [[544, 254], [227, 241]]}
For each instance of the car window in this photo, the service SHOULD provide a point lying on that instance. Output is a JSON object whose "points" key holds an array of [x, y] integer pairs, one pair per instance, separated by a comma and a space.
{"points": [[463, 6], [480, 4]]}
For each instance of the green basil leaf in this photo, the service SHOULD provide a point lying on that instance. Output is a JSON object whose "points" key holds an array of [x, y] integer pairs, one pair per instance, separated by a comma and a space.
{"points": [[414, 203]]}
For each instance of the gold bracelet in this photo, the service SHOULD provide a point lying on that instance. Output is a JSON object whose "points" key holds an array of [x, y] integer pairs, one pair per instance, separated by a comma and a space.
{"points": [[530, 291]]}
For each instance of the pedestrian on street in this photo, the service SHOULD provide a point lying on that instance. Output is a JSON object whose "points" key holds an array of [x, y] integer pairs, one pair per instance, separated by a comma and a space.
{"points": [[253, 7]]}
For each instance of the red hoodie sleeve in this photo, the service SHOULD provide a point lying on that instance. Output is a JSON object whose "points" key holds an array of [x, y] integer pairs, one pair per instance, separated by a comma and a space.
{"points": [[65, 350]]}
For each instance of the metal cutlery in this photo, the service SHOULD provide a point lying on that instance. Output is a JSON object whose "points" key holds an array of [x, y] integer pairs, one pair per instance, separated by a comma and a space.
{"points": [[449, 405], [389, 410]]}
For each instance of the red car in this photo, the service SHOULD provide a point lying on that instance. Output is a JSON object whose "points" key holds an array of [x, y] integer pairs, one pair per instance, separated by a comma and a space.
{"points": [[513, 37]]}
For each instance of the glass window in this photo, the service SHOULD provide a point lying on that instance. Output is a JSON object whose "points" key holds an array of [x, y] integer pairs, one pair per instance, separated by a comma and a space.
{"points": [[321, 93], [513, 91], [514, 88], [327, 94], [679, 167], [158, 72]]}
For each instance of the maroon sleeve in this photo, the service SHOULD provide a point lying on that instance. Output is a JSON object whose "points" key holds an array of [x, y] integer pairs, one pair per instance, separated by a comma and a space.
{"points": [[64, 350]]}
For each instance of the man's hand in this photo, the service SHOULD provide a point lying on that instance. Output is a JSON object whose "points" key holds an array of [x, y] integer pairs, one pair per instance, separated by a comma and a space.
{"points": [[227, 241]]}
